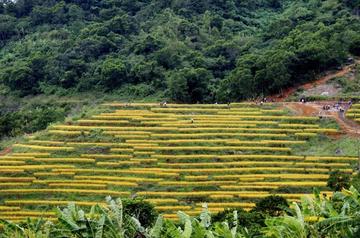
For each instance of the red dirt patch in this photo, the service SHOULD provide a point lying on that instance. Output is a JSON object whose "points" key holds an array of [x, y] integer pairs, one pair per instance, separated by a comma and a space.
{"points": [[5, 151], [288, 92], [347, 126], [303, 109]]}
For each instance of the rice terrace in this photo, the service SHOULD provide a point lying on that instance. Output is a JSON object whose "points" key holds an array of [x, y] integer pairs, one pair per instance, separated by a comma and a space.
{"points": [[179, 119], [176, 156]]}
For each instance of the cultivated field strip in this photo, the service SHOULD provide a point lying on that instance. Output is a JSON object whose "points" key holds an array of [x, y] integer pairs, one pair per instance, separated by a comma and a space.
{"points": [[176, 157], [354, 112]]}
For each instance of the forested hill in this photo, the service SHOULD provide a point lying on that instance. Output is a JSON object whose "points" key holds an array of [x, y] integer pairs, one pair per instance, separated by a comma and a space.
{"points": [[192, 51]]}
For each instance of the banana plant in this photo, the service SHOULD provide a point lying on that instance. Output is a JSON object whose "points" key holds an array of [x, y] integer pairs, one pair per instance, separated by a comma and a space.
{"points": [[346, 221], [156, 230], [200, 227], [287, 226], [335, 217], [101, 222], [109, 221], [29, 229], [224, 230]]}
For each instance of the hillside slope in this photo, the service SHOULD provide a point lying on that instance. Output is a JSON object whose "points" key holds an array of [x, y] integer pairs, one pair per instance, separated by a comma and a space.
{"points": [[191, 51], [175, 157]]}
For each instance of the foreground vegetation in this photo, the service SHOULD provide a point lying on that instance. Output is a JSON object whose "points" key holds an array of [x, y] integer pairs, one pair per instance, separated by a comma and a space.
{"points": [[203, 51], [314, 217]]}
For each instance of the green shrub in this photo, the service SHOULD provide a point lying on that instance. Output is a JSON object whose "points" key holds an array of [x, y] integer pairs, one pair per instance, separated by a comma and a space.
{"points": [[29, 120], [272, 205], [338, 180], [141, 210], [355, 181], [253, 220]]}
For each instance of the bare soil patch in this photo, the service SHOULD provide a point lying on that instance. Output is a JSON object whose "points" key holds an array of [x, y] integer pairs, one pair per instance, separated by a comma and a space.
{"points": [[5, 151], [316, 83], [347, 126]]}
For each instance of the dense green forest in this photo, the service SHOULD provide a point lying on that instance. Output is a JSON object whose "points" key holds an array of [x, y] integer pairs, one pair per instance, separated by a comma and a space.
{"points": [[187, 51]]}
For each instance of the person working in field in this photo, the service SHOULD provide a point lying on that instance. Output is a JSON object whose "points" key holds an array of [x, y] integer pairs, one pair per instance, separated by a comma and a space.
{"points": [[163, 104]]}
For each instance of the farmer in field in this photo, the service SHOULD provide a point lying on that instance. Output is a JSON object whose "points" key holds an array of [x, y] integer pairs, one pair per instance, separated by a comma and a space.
{"points": [[163, 104]]}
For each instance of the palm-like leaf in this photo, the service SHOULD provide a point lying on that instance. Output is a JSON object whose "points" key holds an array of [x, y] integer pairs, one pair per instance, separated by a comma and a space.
{"points": [[155, 232], [100, 227]]}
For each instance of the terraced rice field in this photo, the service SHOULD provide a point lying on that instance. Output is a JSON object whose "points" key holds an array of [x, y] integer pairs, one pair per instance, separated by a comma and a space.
{"points": [[176, 157], [354, 112]]}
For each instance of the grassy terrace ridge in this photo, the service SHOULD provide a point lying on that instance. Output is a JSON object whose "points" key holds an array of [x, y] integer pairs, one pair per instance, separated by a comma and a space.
{"points": [[354, 112], [176, 157]]}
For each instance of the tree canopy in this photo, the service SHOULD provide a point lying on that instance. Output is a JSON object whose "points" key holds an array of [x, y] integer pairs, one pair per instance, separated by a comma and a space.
{"points": [[193, 51]]}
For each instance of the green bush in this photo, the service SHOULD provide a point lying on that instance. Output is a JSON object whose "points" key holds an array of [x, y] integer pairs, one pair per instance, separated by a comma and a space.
{"points": [[355, 181], [32, 114], [29, 120], [338, 180], [253, 220], [355, 46], [141, 210], [272, 205]]}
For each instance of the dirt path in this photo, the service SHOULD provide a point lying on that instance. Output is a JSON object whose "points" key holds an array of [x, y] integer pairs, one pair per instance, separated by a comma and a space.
{"points": [[288, 92], [347, 126], [303, 109], [5, 151]]}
